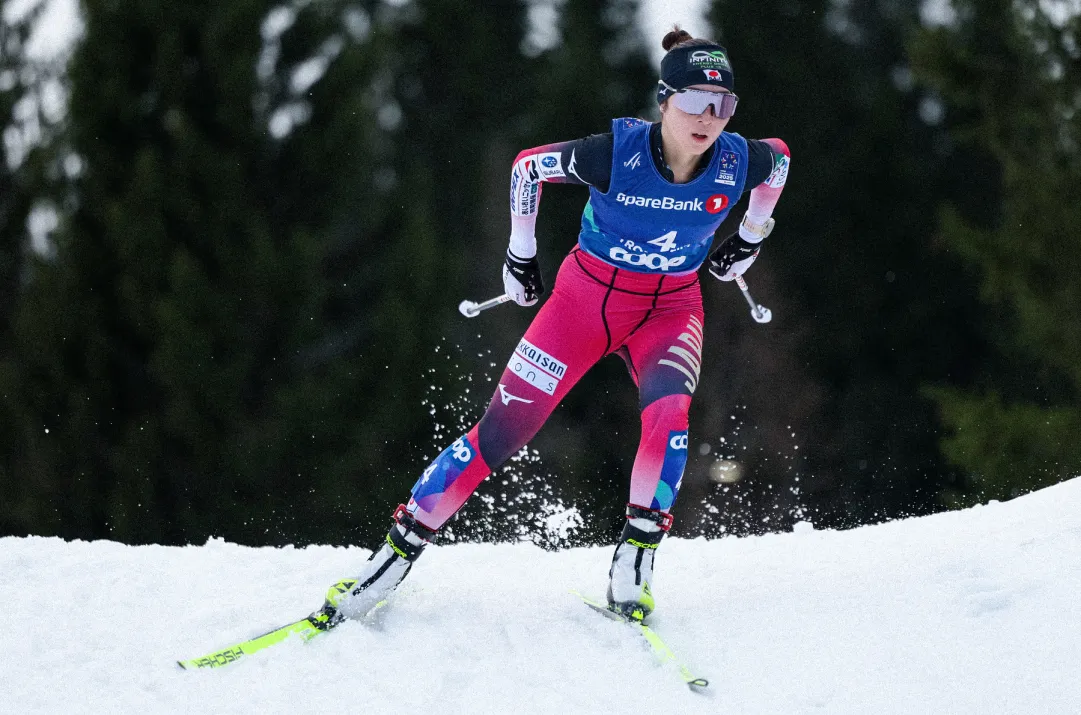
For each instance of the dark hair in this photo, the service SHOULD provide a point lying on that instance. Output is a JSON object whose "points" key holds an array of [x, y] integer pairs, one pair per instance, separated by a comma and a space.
{"points": [[678, 37]]}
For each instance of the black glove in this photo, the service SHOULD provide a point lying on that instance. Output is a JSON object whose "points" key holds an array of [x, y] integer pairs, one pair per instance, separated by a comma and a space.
{"points": [[732, 257], [522, 279]]}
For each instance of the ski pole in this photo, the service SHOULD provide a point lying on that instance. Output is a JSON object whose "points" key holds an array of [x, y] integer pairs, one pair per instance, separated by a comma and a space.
{"points": [[760, 313], [471, 309]]}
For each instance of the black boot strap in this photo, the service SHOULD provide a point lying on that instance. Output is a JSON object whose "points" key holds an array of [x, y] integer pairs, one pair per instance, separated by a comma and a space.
{"points": [[664, 520], [402, 546], [642, 539], [406, 524]]}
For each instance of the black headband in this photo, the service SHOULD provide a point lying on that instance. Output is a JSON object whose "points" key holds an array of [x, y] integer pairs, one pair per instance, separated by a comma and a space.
{"points": [[697, 64]]}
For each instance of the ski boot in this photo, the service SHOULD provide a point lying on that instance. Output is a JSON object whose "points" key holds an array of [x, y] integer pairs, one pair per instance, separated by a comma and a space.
{"points": [[385, 569], [631, 576]]}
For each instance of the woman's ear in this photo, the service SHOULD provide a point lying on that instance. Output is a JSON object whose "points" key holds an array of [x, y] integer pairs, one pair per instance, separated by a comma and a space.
{"points": [[664, 107]]}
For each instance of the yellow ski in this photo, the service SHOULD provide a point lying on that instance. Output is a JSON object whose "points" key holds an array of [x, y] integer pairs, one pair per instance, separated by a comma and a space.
{"points": [[660, 649], [306, 628]]}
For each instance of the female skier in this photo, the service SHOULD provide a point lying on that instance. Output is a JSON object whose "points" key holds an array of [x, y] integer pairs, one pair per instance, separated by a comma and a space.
{"points": [[657, 193]]}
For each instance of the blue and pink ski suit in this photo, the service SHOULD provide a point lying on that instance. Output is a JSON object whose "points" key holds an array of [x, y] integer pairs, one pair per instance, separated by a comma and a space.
{"points": [[629, 287]]}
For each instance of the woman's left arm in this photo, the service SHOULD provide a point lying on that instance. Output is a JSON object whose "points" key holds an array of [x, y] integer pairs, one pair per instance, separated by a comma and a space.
{"points": [[766, 192], [767, 172]]}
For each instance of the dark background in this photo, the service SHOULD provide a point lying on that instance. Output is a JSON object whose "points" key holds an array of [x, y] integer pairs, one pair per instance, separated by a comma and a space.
{"points": [[242, 320]]}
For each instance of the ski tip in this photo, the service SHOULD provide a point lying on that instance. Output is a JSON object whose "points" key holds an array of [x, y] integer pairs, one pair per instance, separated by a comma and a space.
{"points": [[181, 664], [698, 685]]}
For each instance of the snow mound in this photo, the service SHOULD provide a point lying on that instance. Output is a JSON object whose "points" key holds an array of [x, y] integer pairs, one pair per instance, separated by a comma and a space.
{"points": [[972, 611]]}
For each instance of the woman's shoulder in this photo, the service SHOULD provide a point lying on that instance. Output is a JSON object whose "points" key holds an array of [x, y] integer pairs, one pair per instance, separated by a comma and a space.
{"points": [[732, 138]]}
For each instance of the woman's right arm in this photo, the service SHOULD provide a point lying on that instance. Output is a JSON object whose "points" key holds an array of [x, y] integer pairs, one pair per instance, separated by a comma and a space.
{"points": [[582, 161]]}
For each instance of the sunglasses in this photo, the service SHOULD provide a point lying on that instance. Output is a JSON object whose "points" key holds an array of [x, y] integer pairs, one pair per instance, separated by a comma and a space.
{"points": [[694, 101]]}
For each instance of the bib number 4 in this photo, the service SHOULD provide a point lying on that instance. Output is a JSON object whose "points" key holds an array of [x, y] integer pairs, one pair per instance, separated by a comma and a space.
{"points": [[652, 261], [666, 243]]}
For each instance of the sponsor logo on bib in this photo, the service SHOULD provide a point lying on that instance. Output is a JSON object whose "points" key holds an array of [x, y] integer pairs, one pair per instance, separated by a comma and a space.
{"points": [[666, 203]]}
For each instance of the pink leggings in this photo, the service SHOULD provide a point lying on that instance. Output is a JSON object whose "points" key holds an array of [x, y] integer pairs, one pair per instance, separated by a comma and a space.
{"points": [[653, 322]]}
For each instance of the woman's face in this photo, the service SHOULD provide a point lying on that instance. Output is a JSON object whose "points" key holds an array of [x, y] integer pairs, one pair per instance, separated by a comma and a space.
{"points": [[693, 133]]}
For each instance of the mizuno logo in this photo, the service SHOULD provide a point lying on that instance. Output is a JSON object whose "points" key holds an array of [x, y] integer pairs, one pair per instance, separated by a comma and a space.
{"points": [[509, 398], [573, 171]]}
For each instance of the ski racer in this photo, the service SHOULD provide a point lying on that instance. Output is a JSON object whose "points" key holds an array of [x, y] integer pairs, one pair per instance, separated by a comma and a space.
{"points": [[657, 193]]}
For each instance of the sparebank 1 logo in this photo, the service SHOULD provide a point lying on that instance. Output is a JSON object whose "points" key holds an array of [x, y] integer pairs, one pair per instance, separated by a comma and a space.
{"points": [[716, 203], [707, 59]]}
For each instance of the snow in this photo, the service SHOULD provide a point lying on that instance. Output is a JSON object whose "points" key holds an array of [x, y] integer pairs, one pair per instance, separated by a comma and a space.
{"points": [[972, 611]]}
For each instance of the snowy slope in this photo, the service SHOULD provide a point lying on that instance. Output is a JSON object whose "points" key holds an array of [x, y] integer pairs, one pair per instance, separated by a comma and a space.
{"points": [[964, 612]]}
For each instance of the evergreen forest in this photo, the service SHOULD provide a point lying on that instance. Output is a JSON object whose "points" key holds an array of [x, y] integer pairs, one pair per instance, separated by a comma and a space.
{"points": [[234, 236]]}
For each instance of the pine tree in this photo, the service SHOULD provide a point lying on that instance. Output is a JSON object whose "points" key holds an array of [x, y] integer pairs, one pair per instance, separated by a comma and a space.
{"points": [[166, 373], [33, 163], [1007, 74], [232, 337], [867, 309]]}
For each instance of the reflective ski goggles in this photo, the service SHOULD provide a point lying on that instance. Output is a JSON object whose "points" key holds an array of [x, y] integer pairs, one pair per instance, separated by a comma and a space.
{"points": [[696, 101]]}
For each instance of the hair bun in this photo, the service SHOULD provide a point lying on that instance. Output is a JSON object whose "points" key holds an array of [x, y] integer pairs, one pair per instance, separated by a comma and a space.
{"points": [[675, 36]]}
